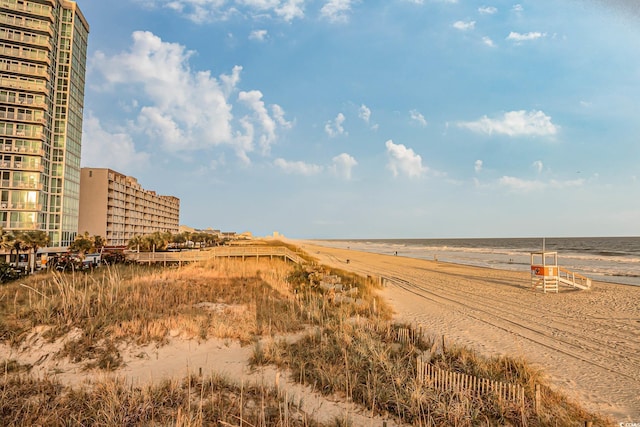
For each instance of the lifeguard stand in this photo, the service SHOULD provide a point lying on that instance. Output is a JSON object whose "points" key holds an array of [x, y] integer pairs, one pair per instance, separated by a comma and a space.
{"points": [[544, 271]]}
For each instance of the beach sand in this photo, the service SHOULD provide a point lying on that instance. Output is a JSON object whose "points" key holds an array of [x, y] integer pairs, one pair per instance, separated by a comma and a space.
{"points": [[586, 342]]}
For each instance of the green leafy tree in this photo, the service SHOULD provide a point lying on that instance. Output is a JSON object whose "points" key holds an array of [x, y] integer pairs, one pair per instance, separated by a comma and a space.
{"points": [[83, 244]]}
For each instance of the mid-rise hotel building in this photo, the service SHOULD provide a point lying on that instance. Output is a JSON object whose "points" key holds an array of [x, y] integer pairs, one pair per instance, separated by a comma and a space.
{"points": [[116, 207], [43, 45]]}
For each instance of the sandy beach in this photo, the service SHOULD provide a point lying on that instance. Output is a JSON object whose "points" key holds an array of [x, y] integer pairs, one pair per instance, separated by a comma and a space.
{"points": [[586, 342]]}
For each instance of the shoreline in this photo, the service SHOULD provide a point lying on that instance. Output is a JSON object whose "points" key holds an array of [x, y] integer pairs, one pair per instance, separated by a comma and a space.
{"points": [[585, 341], [605, 278]]}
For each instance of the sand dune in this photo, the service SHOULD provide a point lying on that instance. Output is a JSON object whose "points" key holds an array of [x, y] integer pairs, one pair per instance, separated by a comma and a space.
{"points": [[587, 342]]}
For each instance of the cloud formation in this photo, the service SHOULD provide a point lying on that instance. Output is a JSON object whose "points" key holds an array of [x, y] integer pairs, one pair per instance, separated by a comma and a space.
{"points": [[403, 160], [521, 37], [417, 117], [342, 165], [487, 10], [514, 123], [186, 110], [335, 128], [464, 25], [201, 11], [364, 113], [258, 35], [297, 168], [487, 41], [336, 10], [478, 165], [523, 185], [115, 150]]}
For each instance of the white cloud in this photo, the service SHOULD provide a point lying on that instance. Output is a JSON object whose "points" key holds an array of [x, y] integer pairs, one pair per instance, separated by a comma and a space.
{"points": [[417, 117], [201, 11], [335, 128], [291, 9], [487, 41], [523, 185], [183, 109], [297, 168], [478, 165], [517, 8], [336, 10], [487, 10], [364, 113], [342, 165], [514, 123], [403, 160], [520, 37], [253, 99], [464, 26], [258, 35], [104, 149], [538, 166], [278, 115]]}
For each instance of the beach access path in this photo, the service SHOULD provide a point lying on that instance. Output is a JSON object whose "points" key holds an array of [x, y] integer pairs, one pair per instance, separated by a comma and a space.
{"points": [[586, 342]]}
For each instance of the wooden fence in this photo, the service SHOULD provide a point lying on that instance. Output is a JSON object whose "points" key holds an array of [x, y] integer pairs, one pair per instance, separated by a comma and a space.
{"points": [[445, 380], [218, 252]]}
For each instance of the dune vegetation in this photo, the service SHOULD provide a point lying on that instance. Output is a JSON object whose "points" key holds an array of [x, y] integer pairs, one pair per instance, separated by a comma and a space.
{"points": [[348, 348]]}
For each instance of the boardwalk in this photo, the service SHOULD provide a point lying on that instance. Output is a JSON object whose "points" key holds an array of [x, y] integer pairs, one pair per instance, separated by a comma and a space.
{"points": [[243, 252]]}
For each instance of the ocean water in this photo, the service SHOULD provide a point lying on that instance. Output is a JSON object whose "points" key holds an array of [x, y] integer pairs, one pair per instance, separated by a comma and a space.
{"points": [[606, 259]]}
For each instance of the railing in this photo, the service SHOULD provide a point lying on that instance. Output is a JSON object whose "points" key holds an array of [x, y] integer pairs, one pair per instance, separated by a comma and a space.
{"points": [[22, 22], [33, 8], [218, 252], [10, 148], [17, 83], [578, 280], [34, 39], [21, 206], [37, 55], [11, 115]]}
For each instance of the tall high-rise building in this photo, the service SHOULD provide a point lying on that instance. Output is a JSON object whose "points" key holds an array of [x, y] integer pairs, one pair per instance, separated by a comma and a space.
{"points": [[43, 50]]}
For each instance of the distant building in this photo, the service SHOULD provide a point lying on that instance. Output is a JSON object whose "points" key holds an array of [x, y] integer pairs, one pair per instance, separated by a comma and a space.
{"points": [[43, 50], [116, 207]]}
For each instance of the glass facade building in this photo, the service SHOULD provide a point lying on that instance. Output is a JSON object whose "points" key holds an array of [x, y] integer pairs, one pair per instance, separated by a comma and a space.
{"points": [[43, 49]]}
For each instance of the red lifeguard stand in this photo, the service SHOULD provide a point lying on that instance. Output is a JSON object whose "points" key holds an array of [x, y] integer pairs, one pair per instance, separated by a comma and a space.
{"points": [[544, 271]]}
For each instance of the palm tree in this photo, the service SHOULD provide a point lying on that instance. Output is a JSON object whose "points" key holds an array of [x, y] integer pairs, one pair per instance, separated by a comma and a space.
{"points": [[136, 242], [15, 240], [35, 239]]}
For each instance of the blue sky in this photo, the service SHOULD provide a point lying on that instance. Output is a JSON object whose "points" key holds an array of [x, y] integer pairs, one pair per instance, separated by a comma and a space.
{"points": [[373, 119]]}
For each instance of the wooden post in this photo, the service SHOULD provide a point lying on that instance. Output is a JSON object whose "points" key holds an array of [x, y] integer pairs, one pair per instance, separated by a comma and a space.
{"points": [[588, 424], [537, 399]]}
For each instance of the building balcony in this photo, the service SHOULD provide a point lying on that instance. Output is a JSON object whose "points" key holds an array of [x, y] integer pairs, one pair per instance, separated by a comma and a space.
{"points": [[30, 8], [29, 55], [10, 148], [23, 100], [21, 117], [20, 84], [25, 69], [21, 206], [32, 39], [22, 225], [23, 22], [20, 185]]}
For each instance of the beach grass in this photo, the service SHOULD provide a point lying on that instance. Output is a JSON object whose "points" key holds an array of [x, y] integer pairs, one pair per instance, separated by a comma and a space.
{"points": [[349, 349]]}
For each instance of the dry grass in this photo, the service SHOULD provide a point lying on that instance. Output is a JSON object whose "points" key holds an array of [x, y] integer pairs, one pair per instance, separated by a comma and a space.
{"points": [[364, 365], [223, 299], [343, 355], [194, 401]]}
